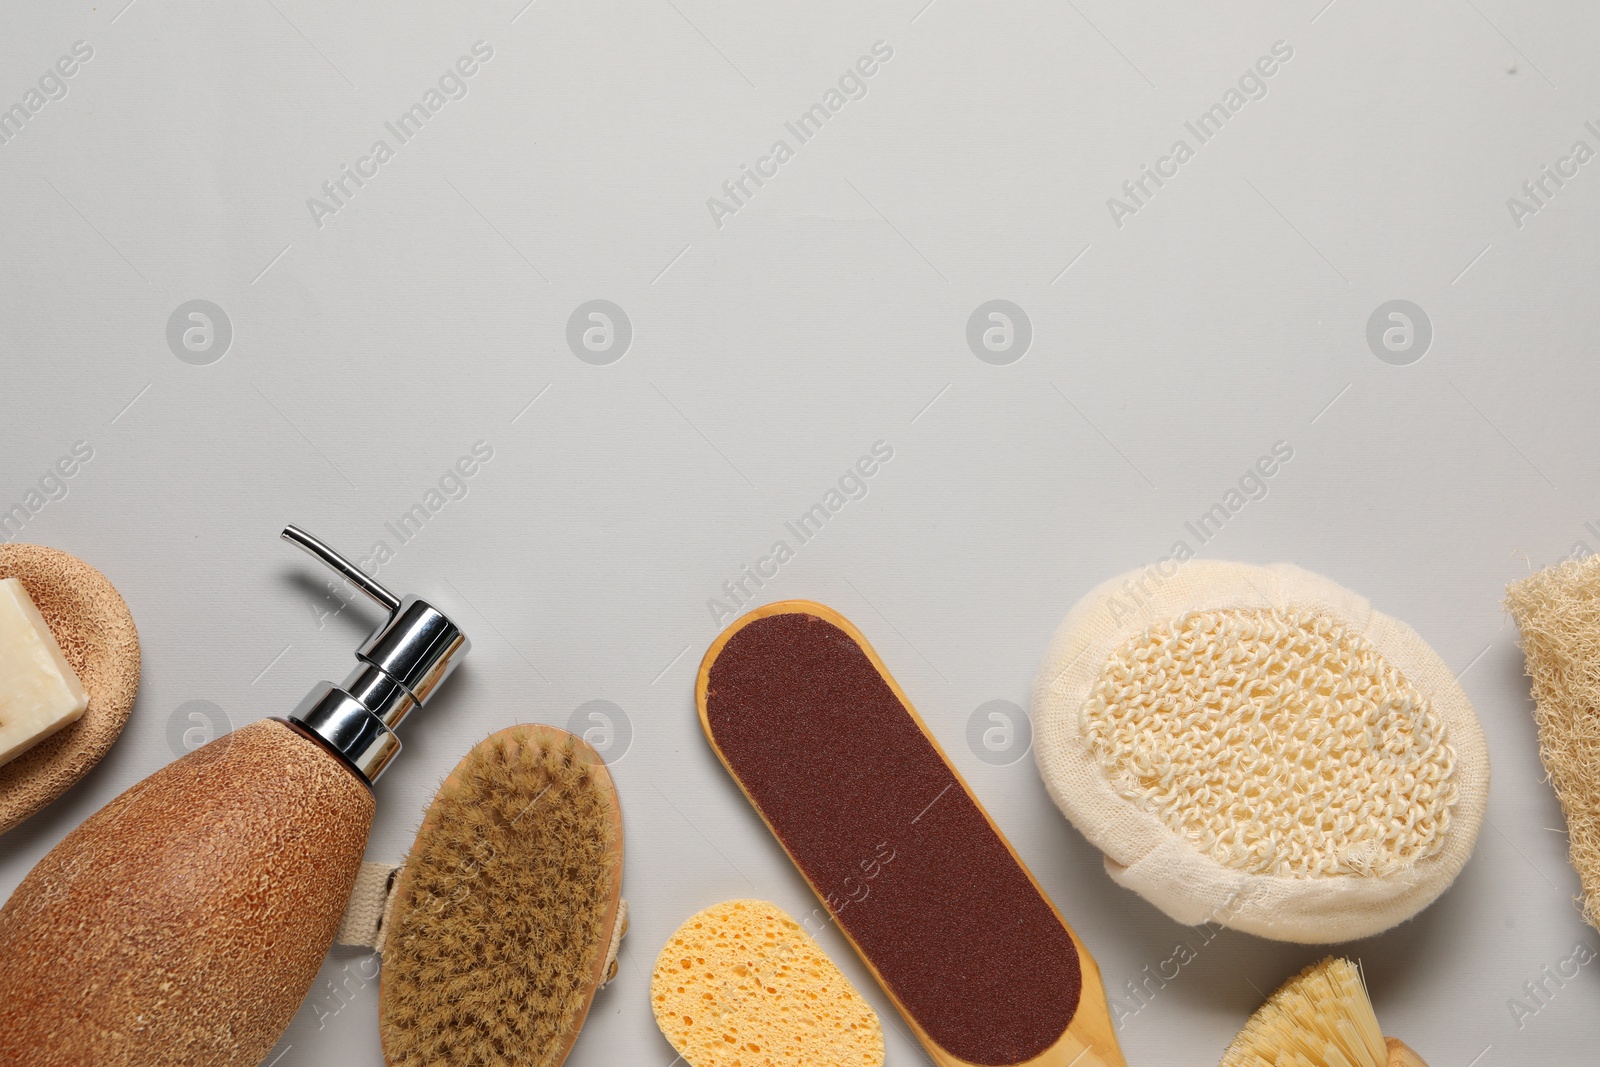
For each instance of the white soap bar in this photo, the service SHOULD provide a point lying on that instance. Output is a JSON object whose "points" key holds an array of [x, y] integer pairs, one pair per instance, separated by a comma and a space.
{"points": [[39, 691]]}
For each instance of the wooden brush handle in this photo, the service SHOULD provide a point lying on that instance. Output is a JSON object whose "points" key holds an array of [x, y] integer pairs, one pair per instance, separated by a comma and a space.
{"points": [[184, 922], [1402, 1056]]}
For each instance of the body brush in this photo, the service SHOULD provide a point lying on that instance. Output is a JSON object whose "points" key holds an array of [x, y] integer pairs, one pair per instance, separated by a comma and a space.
{"points": [[505, 919], [1321, 1017]]}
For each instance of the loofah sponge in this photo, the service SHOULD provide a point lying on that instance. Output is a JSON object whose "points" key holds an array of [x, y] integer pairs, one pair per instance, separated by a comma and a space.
{"points": [[1279, 741], [501, 919], [1558, 613], [1257, 747], [742, 985]]}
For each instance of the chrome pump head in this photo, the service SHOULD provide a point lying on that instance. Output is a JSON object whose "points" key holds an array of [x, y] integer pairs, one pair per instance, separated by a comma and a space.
{"points": [[398, 668]]}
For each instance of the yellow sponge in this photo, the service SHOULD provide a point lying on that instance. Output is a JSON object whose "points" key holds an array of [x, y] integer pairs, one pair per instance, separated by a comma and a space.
{"points": [[503, 913], [742, 985]]}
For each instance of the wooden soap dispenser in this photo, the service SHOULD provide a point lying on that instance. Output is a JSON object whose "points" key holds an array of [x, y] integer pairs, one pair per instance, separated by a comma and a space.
{"points": [[184, 922]]}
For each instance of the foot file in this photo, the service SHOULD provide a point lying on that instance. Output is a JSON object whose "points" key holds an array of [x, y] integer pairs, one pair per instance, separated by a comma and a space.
{"points": [[843, 771]]}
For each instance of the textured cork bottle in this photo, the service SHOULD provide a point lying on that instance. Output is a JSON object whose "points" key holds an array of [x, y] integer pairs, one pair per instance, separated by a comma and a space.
{"points": [[184, 922]]}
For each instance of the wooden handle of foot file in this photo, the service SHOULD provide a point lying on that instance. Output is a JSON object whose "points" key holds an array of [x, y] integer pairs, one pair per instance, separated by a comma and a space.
{"points": [[829, 750], [184, 922]]}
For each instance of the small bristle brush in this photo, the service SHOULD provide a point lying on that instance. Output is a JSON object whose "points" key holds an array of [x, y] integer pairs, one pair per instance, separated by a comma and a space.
{"points": [[1322, 1017]]}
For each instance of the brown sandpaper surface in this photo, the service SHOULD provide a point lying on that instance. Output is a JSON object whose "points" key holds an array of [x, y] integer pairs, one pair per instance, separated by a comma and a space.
{"points": [[880, 825]]}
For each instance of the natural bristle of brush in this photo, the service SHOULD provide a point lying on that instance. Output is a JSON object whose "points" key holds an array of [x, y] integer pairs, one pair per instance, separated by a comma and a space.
{"points": [[505, 908], [1322, 1017]]}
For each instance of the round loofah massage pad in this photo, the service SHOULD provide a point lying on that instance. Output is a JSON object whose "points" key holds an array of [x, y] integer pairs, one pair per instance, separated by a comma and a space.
{"points": [[91, 623], [741, 984], [502, 916], [1257, 747]]}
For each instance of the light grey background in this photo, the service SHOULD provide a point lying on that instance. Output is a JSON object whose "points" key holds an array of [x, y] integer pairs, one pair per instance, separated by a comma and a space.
{"points": [[829, 312]]}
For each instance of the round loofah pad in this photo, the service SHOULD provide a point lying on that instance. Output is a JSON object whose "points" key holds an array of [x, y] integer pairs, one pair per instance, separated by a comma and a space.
{"points": [[742, 985], [503, 914], [1256, 747], [91, 623]]}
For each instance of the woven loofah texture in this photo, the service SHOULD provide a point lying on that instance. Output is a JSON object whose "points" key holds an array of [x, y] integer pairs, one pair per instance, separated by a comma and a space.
{"points": [[1558, 613], [1321, 1017], [742, 985], [1277, 742], [1259, 747], [505, 907]]}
